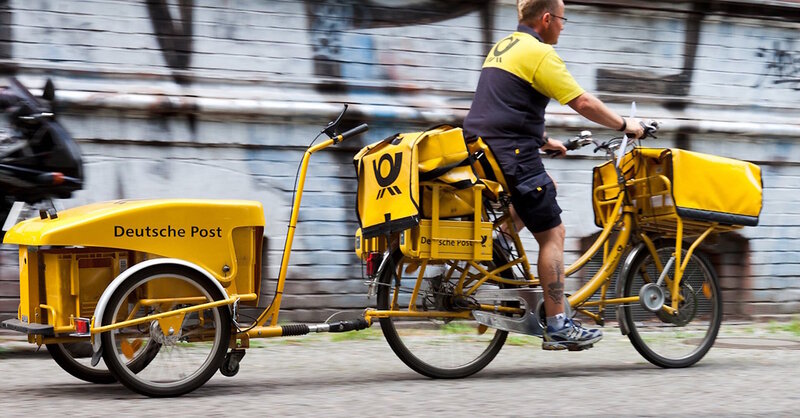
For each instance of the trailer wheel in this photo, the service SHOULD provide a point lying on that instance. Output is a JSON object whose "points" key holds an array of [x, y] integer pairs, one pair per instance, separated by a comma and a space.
{"points": [[75, 359], [192, 345]]}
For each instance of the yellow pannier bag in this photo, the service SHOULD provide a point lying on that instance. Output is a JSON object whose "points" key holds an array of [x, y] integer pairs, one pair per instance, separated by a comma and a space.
{"points": [[440, 149], [390, 171], [459, 200], [388, 186], [699, 187]]}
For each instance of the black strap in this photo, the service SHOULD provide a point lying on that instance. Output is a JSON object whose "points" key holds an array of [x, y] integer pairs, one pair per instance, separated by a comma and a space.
{"points": [[488, 170]]}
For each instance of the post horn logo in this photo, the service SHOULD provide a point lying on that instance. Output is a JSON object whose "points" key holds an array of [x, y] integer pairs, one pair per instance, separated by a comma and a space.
{"points": [[394, 170], [502, 47]]}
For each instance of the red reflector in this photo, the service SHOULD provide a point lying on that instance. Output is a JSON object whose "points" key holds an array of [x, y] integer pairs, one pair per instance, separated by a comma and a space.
{"points": [[81, 325], [373, 263], [58, 178]]}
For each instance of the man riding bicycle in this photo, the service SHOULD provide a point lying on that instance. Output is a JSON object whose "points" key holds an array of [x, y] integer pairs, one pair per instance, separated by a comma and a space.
{"points": [[519, 77]]}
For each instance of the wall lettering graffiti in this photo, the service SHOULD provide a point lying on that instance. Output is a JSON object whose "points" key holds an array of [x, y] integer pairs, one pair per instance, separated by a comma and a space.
{"points": [[676, 85], [782, 66], [174, 35], [329, 20]]}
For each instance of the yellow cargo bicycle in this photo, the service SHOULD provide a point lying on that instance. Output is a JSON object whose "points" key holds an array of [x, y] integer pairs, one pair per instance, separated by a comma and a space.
{"points": [[149, 292], [451, 287]]}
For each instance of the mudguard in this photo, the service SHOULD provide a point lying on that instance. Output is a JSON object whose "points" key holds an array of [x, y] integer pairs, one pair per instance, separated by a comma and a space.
{"points": [[623, 275], [117, 282]]}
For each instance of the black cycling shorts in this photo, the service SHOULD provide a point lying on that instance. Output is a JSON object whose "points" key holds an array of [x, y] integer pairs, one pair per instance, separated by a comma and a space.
{"points": [[534, 199]]}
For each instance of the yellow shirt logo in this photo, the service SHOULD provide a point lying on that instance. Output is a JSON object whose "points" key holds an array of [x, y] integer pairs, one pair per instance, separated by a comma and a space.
{"points": [[535, 62]]}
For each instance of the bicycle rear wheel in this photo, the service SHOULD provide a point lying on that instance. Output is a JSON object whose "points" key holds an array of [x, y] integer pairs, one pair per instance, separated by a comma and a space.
{"points": [[436, 347], [673, 341]]}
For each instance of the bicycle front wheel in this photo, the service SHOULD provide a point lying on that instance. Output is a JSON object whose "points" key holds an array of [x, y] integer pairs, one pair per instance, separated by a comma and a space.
{"points": [[437, 347], [673, 341]]}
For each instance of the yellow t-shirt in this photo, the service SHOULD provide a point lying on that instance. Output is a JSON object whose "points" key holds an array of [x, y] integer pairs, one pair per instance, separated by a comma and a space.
{"points": [[519, 77], [535, 62]]}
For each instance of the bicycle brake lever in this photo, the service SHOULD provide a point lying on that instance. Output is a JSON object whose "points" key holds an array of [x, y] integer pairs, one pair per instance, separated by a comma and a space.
{"points": [[333, 125], [600, 146], [650, 128]]}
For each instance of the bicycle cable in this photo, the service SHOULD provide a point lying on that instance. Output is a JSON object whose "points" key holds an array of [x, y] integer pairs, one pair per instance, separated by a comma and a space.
{"points": [[294, 196]]}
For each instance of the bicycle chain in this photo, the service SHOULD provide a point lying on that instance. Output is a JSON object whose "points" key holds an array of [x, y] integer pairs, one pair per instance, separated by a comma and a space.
{"points": [[434, 293]]}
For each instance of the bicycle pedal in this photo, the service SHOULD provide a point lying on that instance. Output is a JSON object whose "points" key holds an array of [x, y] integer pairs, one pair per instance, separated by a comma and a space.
{"points": [[579, 347], [553, 347], [566, 346]]}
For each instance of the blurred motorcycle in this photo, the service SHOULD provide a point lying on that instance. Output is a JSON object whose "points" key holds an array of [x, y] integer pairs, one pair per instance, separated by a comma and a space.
{"points": [[39, 159]]}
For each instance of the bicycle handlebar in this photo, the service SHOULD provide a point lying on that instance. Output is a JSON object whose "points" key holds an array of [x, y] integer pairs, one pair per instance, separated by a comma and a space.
{"points": [[360, 129], [585, 138]]}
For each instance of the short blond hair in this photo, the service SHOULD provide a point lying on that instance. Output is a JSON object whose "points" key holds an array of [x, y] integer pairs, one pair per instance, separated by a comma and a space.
{"points": [[530, 10]]}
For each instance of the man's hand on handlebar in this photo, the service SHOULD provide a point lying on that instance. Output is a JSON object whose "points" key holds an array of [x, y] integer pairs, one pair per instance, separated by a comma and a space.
{"points": [[634, 128], [554, 147]]}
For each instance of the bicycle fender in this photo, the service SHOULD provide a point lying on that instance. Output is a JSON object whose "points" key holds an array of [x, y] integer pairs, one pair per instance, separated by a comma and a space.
{"points": [[621, 281], [112, 287]]}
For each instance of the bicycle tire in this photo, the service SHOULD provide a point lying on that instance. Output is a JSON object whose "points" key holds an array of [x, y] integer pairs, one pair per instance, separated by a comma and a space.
{"points": [[75, 359], [66, 357], [408, 350], [674, 341]]}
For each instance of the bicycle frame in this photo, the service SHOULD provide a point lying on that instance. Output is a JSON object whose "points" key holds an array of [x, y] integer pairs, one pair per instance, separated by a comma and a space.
{"points": [[259, 330]]}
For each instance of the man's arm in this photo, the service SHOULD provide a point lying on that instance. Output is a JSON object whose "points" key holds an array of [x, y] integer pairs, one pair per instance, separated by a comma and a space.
{"points": [[596, 111]]}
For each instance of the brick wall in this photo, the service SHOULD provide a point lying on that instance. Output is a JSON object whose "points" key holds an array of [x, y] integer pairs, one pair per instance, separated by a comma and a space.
{"points": [[218, 99]]}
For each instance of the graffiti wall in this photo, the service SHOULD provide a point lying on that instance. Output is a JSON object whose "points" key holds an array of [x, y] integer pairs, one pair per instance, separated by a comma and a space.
{"points": [[218, 99]]}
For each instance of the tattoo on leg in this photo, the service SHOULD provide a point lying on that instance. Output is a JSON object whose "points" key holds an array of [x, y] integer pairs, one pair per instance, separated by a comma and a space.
{"points": [[556, 289], [558, 269], [556, 292]]}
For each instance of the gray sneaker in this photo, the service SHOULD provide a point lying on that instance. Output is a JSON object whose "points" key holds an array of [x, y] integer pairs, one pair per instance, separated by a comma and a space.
{"points": [[572, 336]]}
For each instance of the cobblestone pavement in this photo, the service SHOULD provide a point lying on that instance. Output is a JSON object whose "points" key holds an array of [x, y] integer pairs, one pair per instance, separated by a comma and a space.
{"points": [[752, 370]]}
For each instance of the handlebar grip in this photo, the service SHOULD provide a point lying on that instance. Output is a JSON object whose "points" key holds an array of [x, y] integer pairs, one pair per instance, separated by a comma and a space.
{"points": [[56, 178], [572, 144], [650, 128], [360, 129]]}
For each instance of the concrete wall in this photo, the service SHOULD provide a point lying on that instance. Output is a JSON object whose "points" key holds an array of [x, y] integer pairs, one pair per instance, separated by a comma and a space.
{"points": [[218, 99]]}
